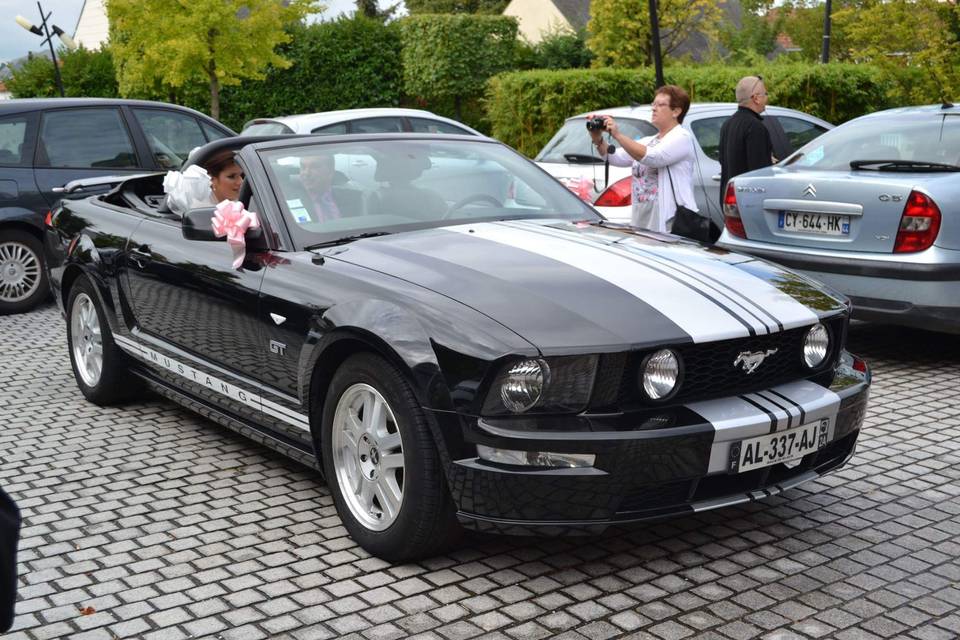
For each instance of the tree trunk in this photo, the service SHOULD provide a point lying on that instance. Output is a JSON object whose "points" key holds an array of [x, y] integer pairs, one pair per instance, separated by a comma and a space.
{"points": [[214, 96], [214, 78]]}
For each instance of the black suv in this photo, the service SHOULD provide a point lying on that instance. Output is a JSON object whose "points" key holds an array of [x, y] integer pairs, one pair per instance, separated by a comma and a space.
{"points": [[47, 143]]}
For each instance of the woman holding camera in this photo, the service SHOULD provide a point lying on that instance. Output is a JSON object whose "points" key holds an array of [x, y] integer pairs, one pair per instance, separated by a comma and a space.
{"points": [[662, 164]]}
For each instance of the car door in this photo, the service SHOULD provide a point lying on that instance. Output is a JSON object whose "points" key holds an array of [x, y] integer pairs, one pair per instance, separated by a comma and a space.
{"points": [[83, 142], [706, 131], [19, 199], [197, 314]]}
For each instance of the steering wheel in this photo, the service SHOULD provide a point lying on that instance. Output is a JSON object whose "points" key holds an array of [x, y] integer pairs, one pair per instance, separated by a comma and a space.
{"points": [[476, 197]]}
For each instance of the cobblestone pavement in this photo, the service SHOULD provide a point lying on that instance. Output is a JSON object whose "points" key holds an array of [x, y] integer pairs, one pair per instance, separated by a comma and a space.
{"points": [[146, 521]]}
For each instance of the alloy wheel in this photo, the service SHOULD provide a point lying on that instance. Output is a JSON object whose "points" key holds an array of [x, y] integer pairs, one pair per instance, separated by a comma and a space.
{"points": [[368, 456], [19, 271], [86, 339]]}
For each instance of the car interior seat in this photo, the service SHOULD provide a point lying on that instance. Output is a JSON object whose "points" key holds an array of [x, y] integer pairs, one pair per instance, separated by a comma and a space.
{"points": [[398, 195]]}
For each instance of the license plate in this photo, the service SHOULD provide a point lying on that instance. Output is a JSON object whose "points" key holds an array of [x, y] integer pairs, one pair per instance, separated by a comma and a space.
{"points": [[827, 224], [773, 448]]}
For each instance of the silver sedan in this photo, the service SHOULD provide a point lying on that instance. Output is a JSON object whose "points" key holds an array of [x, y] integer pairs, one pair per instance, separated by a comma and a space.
{"points": [[871, 208]]}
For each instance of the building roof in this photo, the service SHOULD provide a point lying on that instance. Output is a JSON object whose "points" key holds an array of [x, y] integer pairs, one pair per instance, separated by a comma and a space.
{"points": [[577, 12]]}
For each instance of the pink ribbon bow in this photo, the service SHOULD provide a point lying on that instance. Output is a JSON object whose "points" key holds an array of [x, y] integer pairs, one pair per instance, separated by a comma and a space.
{"points": [[232, 220]]}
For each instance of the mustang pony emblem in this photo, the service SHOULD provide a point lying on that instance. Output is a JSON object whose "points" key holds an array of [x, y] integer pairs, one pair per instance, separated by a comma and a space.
{"points": [[750, 360]]}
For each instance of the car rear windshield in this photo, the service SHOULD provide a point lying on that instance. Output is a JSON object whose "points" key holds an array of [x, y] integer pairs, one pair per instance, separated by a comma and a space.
{"points": [[573, 139], [341, 189], [266, 129], [905, 140]]}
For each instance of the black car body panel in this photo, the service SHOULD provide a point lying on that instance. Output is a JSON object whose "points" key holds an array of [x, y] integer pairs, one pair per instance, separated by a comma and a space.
{"points": [[450, 305]]}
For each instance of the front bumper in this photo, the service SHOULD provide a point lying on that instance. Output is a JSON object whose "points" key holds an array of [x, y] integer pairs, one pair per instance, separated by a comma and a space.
{"points": [[645, 472]]}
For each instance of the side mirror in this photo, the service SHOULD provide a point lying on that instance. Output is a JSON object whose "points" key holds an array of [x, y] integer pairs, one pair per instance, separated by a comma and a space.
{"points": [[197, 225]]}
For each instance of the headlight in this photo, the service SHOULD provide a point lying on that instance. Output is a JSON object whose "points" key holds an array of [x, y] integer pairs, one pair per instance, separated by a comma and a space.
{"points": [[660, 374], [523, 384], [557, 384], [816, 345]]}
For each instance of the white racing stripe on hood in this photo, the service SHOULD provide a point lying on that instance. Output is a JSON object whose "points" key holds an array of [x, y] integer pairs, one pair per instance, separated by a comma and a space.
{"points": [[734, 302], [703, 319], [761, 297]]}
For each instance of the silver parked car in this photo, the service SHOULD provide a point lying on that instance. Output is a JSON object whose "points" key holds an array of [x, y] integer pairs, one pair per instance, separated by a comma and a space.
{"points": [[571, 158], [378, 120], [872, 208]]}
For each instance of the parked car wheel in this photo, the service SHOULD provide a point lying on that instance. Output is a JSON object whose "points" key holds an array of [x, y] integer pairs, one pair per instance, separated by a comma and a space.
{"points": [[98, 364], [23, 280], [382, 465]]}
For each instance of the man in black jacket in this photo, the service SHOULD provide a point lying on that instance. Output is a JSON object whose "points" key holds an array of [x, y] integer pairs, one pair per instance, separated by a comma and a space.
{"points": [[744, 140], [9, 535]]}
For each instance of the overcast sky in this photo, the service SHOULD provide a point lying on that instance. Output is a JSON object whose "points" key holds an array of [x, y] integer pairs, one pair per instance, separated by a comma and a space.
{"points": [[15, 41]]}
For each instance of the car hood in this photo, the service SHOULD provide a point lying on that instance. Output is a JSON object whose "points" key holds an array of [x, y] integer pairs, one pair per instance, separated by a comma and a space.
{"points": [[564, 285]]}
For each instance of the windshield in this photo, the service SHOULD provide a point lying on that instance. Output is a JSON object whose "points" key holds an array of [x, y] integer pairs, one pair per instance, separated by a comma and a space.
{"points": [[266, 129], [574, 139], [339, 190], [910, 138]]}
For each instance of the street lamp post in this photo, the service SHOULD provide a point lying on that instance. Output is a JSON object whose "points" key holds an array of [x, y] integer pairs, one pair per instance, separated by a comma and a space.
{"points": [[48, 39], [655, 38], [825, 49]]}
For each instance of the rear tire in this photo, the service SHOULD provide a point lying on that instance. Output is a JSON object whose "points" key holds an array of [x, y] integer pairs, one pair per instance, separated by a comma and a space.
{"points": [[23, 277], [382, 465], [99, 366]]}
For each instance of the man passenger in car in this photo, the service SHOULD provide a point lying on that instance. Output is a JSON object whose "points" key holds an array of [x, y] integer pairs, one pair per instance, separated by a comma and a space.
{"points": [[317, 173], [745, 143]]}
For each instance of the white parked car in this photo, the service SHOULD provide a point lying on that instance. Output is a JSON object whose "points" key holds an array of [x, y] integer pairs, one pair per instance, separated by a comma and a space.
{"points": [[571, 158], [379, 120]]}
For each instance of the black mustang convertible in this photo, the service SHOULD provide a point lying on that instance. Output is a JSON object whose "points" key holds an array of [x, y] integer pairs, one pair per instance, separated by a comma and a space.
{"points": [[455, 339]]}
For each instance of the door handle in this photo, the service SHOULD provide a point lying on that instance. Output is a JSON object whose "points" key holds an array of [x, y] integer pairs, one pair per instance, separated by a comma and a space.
{"points": [[715, 178], [141, 256]]}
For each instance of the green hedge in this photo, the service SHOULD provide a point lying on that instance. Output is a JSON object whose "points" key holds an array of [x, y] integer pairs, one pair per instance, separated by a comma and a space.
{"points": [[526, 108], [344, 64]]}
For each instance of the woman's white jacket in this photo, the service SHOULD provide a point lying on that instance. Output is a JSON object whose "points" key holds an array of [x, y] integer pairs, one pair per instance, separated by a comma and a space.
{"points": [[674, 151]]}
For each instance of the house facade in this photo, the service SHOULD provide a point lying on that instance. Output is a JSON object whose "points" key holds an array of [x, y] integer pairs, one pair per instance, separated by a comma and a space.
{"points": [[92, 27]]}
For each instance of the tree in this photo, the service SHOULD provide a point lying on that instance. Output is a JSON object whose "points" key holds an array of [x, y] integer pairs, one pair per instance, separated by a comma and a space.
{"points": [[620, 29], [885, 34], [163, 45], [756, 35], [452, 56], [84, 73], [483, 7], [371, 9]]}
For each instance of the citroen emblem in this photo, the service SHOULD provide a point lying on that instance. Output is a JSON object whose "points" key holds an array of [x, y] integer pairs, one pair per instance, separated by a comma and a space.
{"points": [[810, 191], [751, 360]]}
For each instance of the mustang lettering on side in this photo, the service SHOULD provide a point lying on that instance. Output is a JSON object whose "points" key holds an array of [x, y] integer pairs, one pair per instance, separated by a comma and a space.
{"points": [[455, 340]]}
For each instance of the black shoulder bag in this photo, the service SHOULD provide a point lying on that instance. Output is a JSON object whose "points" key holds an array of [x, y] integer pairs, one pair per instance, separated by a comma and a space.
{"points": [[687, 223]]}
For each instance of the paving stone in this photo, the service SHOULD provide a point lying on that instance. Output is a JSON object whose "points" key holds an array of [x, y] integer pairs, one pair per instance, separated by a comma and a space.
{"points": [[170, 527]]}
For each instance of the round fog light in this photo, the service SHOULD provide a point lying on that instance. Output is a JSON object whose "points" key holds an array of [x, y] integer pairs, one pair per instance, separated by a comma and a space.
{"points": [[660, 373], [816, 345], [523, 385]]}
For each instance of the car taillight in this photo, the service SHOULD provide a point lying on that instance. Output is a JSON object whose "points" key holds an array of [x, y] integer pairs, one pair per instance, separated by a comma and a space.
{"points": [[616, 195], [731, 213], [919, 224]]}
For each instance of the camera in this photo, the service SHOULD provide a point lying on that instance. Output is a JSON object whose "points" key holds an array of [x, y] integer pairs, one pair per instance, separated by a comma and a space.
{"points": [[596, 123]]}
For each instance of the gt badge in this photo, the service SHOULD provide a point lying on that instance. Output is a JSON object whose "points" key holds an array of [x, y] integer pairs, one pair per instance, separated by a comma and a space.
{"points": [[750, 360], [277, 347]]}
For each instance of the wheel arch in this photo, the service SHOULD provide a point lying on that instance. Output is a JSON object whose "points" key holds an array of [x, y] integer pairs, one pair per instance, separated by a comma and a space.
{"points": [[329, 356]]}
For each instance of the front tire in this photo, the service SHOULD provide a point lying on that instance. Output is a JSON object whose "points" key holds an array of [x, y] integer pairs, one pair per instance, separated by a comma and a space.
{"points": [[99, 365], [23, 278], [382, 465]]}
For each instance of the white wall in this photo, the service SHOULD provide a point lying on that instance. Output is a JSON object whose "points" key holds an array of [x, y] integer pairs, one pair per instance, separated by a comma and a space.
{"points": [[92, 27], [536, 18]]}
